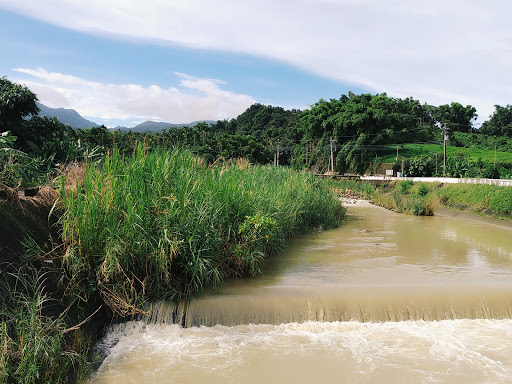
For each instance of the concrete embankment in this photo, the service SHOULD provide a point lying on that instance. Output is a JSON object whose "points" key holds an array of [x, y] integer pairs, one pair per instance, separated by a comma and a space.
{"points": [[443, 180]]}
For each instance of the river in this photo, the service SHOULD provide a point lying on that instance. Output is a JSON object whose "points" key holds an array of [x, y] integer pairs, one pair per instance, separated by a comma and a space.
{"points": [[386, 298]]}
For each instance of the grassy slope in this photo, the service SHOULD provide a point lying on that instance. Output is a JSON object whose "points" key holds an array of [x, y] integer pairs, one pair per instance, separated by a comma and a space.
{"points": [[488, 200]]}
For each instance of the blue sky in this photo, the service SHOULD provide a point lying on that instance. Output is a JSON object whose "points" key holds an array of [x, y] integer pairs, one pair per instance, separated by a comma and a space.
{"points": [[124, 62]]}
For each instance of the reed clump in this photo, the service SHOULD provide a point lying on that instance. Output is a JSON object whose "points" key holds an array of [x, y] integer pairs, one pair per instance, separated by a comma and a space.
{"points": [[33, 346], [162, 224]]}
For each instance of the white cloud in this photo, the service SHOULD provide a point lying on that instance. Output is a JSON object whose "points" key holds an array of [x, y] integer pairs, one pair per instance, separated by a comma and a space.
{"points": [[192, 99], [437, 51]]}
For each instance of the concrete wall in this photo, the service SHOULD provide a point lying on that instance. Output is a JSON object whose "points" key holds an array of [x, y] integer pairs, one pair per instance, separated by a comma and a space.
{"points": [[444, 180]]}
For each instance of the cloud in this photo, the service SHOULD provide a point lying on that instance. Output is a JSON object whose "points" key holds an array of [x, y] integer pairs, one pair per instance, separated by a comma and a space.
{"points": [[192, 99], [437, 51]]}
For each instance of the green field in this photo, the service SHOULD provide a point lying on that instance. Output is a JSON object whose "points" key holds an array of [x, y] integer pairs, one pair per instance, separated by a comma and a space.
{"points": [[388, 155]]}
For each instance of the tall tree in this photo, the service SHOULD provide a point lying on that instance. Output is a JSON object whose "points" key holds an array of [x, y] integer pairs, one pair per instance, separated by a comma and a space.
{"points": [[500, 123], [265, 122], [456, 117]]}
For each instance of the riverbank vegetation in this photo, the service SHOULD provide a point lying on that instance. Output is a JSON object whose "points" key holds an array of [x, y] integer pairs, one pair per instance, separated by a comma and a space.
{"points": [[487, 200], [421, 199], [34, 347]]}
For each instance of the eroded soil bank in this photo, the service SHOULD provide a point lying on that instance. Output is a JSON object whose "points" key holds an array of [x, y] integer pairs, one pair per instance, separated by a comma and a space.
{"points": [[22, 217]]}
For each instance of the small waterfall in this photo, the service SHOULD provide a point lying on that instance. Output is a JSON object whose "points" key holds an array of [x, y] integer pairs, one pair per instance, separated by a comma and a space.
{"points": [[232, 310]]}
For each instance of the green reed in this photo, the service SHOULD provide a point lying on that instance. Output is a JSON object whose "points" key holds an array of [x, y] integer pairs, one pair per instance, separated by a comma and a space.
{"points": [[163, 225], [33, 347]]}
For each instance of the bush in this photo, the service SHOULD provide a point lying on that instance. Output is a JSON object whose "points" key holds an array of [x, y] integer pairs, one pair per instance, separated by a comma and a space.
{"points": [[491, 172], [422, 189], [405, 186]]}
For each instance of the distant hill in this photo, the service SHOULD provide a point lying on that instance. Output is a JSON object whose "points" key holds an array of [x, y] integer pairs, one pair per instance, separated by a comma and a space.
{"points": [[66, 116], [158, 126], [72, 118]]}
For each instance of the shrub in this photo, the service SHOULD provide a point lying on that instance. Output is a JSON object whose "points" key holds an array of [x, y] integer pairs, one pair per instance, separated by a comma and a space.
{"points": [[405, 186], [422, 189]]}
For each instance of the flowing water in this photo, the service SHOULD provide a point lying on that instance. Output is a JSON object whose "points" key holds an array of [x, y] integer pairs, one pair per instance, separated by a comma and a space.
{"points": [[386, 298]]}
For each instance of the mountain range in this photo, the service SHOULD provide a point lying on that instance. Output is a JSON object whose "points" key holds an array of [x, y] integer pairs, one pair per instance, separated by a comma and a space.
{"points": [[74, 120], [66, 116]]}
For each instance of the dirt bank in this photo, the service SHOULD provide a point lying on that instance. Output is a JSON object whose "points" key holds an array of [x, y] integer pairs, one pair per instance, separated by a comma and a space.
{"points": [[22, 217]]}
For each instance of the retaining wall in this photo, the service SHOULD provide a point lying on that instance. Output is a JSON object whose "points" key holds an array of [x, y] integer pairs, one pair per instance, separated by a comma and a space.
{"points": [[444, 180]]}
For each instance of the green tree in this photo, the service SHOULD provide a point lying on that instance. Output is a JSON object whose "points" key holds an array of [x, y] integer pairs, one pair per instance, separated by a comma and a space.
{"points": [[16, 103], [265, 122], [456, 117], [46, 137], [500, 123]]}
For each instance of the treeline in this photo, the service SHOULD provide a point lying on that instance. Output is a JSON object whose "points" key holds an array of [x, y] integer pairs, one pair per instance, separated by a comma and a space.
{"points": [[358, 128]]}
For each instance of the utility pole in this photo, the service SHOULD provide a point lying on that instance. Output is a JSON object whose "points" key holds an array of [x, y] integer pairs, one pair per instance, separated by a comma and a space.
{"points": [[396, 152], [332, 157], [307, 147], [445, 139]]}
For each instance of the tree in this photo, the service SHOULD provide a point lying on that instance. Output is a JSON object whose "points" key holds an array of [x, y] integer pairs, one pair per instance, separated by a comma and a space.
{"points": [[456, 117], [500, 123], [265, 122], [16, 103], [46, 137]]}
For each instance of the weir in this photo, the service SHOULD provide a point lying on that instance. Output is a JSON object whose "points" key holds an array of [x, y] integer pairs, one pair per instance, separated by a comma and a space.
{"points": [[355, 304]]}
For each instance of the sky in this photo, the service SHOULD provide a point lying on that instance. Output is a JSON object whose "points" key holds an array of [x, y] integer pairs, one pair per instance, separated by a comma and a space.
{"points": [[122, 62]]}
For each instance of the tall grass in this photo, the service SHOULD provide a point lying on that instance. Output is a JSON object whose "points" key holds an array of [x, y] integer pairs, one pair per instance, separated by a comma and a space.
{"points": [[33, 347], [162, 224]]}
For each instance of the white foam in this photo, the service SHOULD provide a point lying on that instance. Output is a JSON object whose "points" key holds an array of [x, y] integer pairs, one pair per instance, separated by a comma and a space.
{"points": [[473, 350]]}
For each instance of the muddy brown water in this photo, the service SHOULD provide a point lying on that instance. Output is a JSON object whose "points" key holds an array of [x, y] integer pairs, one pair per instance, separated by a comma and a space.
{"points": [[386, 298]]}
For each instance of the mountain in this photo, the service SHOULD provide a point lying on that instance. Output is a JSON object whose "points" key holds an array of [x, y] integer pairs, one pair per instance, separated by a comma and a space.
{"points": [[72, 118], [158, 126], [66, 116]]}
